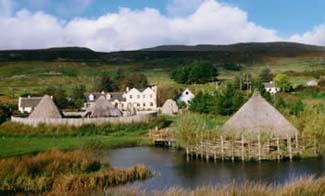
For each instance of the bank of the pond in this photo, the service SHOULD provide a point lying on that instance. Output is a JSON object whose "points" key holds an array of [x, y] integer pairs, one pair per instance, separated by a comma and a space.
{"points": [[14, 146], [18, 139], [302, 186], [64, 171]]}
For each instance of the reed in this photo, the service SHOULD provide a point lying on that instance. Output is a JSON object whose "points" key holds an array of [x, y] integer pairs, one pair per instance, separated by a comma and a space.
{"points": [[300, 186], [64, 171]]}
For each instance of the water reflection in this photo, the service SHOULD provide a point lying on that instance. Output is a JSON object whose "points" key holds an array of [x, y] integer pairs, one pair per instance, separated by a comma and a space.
{"points": [[173, 169]]}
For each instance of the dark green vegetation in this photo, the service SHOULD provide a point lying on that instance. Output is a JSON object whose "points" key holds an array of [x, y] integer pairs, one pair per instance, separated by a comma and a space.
{"points": [[59, 171], [225, 101], [199, 72]]}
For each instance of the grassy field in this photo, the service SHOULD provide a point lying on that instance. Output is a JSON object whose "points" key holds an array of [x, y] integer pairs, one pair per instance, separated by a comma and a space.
{"points": [[14, 146]]}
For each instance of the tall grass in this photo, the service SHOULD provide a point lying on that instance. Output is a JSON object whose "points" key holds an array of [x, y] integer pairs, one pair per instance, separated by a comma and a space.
{"points": [[302, 186], [63, 171], [18, 129]]}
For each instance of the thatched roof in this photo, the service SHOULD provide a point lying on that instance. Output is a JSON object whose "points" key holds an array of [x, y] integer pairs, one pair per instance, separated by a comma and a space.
{"points": [[258, 116], [170, 107], [45, 109], [103, 108]]}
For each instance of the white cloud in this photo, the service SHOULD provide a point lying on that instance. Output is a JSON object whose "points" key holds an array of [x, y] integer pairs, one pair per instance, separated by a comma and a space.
{"points": [[316, 36], [6, 8], [210, 23]]}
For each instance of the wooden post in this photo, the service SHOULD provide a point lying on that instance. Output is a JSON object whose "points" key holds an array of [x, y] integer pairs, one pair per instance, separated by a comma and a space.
{"points": [[289, 147], [259, 147], [232, 151], [222, 150], [297, 144], [278, 148], [315, 146], [242, 148]]}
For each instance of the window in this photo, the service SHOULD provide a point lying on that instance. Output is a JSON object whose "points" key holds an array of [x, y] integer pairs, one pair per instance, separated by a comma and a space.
{"points": [[144, 104], [186, 93], [144, 96], [150, 95], [130, 96], [138, 104], [151, 104], [138, 96]]}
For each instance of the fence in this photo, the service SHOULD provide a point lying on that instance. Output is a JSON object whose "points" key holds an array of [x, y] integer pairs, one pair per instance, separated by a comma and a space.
{"points": [[145, 117], [244, 149]]}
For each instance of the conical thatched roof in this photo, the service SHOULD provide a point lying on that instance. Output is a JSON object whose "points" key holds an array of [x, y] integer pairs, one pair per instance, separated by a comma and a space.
{"points": [[45, 109], [258, 116], [170, 107], [103, 108]]}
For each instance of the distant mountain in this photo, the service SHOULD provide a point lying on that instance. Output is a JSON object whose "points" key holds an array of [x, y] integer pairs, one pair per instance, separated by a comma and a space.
{"points": [[169, 55], [269, 47]]}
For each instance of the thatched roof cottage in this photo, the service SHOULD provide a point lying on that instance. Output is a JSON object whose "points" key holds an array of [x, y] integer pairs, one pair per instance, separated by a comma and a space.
{"points": [[257, 116], [102, 108], [46, 109], [170, 107]]}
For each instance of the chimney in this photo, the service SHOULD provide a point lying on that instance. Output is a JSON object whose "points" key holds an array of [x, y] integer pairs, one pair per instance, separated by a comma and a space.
{"points": [[127, 89]]}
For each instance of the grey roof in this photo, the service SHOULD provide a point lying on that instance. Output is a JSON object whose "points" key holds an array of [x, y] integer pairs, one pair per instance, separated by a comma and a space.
{"points": [[269, 85], [31, 102], [258, 116], [103, 108], [46, 109], [115, 96]]}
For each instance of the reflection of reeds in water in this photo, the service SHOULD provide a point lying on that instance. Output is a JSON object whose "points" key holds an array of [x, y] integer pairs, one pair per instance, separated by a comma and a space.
{"points": [[60, 171], [301, 186]]}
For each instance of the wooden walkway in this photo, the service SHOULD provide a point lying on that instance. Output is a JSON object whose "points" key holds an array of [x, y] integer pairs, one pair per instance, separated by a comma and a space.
{"points": [[162, 137]]}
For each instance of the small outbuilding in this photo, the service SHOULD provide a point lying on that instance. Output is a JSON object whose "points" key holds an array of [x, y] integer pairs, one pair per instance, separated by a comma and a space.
{"points": [[312, 83], [170, 107], [186, 96], [256, 117], [102, 108], [46, 109]]}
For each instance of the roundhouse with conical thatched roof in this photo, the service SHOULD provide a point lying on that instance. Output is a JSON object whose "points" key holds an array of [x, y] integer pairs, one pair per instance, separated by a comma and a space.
{"points": [[46, 109], [170, 107], [257, 116], [103, 108]]}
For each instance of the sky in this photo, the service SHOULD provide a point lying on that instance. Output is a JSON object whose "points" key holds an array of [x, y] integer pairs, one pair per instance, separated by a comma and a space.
{"points": [[114, 25]]}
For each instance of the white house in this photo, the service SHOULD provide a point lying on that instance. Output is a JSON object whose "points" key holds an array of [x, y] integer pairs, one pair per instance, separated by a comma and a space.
{"points": [[312, 83], [145, 99], [186, 96], [27, 104], [270, 87]]}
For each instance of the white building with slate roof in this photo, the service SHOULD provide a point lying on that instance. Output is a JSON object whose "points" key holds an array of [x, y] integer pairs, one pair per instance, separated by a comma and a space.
{"points": [[145, 99], [28, 104]]}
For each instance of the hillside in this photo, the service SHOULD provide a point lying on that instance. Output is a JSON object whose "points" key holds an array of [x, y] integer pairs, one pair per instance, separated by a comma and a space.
{"points": [[169, 54]]}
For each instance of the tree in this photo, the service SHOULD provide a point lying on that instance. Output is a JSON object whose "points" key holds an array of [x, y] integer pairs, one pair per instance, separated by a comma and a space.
{"points": [[136, 80], [78, 95], [106, 83], [59, 96], [201, 103], [199, 72], [282, 81], [266, 75], [258, 85], [228, 99]]}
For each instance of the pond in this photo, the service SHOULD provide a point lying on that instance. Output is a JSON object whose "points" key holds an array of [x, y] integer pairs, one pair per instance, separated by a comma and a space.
{"points": [[173, 170]]}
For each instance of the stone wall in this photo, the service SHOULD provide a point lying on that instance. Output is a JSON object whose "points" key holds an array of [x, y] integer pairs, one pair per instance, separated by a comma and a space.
{"points": [[143, 117]]}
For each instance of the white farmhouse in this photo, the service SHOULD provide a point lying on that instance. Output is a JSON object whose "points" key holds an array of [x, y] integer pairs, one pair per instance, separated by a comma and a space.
{"points": [[270, 87], [27, 104], [145, 99], [186, 96]]}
